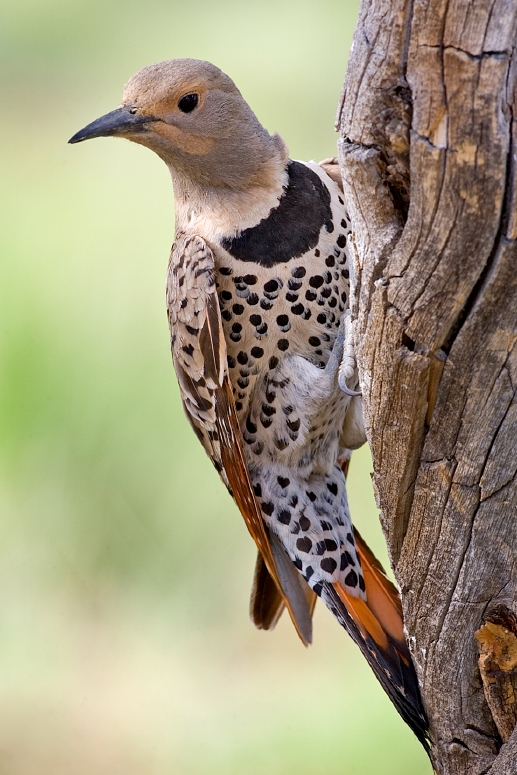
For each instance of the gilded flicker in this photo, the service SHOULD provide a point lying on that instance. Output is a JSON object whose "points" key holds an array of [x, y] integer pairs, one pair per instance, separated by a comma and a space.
{"points": [[257, 294]]}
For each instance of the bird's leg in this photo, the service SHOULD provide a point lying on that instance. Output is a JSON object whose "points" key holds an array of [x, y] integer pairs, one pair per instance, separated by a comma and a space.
{"points": [[348, 364]]}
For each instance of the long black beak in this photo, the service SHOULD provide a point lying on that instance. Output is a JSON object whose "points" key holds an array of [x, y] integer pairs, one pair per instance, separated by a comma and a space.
{"points": [[119, 122]]}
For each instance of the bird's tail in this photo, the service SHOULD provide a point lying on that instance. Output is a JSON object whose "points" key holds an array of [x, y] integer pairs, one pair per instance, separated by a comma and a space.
{"points": [[376, 625]]}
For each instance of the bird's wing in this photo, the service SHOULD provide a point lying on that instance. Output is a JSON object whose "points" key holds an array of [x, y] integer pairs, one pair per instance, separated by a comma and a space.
{"points": [[199, 354], [331, 167]]}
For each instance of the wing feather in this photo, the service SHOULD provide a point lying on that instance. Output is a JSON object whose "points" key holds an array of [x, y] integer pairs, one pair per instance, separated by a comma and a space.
{"points": [[199, 354]]}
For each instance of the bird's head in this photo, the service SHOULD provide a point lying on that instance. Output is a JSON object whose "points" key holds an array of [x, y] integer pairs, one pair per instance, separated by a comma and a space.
{"points": [[194, 117]]}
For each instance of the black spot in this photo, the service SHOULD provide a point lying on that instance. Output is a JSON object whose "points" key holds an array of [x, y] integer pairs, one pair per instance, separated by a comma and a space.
{"points": [[293, 227], [351, 579], [270, 396], [283, 481], [305, 523], [317, 588], [361, 584], [299, 271], [332, 302], [316, 281], [250, 279], [243, 382], [287, 409], [310, 295], [281, 443], [257, 489], [255, 320], [350, 538], [343, 223], [293, 500], [325, 525], [242, 357], [343, 297], [226, 295], [332, 487], [298, 563], [328, 564], [271, 286], [344, 562], [341, 200], [268, 410], [257, 352], [297, 309], [330, 261], [250, 426], [329, 226], [238, 309], [322, 318], [316, 253], [187, 348], [230, 361], [238, 405], [283, 344], [349, 558], [309, 571], [284, 516], [282, 320], [341, 240], [225, 270], [311, 496], [226, 315], [314, 341], [268, 508], [294, 285], [262, 329], [326, 292], [252, 299], [304, 544], [291, 297], [236, 328], [265, 304], [273, 362], [345, 273], [294, 425]]}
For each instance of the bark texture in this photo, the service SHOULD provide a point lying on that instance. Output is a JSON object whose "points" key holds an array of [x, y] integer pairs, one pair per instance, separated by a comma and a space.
{"points": [[428, 155]]}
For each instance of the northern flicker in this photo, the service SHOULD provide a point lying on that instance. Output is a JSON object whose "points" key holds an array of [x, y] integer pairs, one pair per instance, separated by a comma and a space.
{"points": [[257, 294]]}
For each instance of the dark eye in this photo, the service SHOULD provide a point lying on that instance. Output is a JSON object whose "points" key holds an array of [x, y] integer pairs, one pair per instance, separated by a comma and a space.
{"points": [[188, 103]]}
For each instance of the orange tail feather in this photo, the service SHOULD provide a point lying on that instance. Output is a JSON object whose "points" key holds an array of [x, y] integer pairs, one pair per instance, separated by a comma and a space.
{"points": [[377, 626]]}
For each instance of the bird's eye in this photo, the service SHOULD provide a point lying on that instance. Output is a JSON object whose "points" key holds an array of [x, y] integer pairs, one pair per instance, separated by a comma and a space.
{"points": [[188, 103]]}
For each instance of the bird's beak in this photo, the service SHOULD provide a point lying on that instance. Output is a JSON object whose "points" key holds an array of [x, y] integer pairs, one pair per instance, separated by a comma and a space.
{"points": [[119, 122]]}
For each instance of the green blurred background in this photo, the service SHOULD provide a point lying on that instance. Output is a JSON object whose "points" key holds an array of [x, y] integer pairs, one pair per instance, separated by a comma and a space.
{"points": [[125, 646]]}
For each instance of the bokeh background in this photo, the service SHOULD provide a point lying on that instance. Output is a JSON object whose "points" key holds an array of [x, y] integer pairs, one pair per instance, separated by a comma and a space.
{"points": [[125, 646]]}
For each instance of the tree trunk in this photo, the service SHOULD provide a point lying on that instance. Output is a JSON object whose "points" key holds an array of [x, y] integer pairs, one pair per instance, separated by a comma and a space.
{"points": [[428, 155]]}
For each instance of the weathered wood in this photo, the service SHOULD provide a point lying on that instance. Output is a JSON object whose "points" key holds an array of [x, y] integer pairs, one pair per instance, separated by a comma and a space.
{"points": [[428, 157]]}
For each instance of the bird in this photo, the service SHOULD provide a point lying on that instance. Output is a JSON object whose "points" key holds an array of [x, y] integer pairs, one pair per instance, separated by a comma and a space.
{"points": [[258, 305]]}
